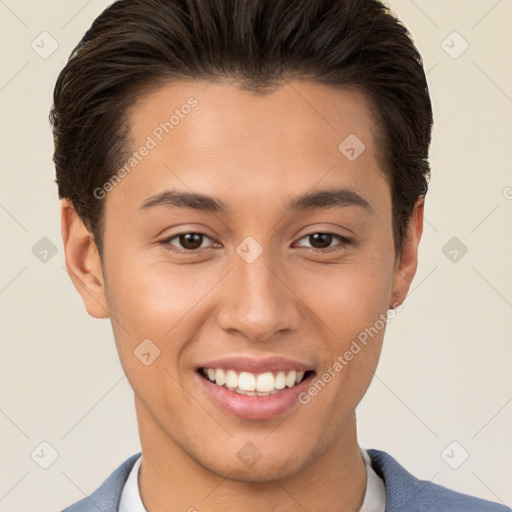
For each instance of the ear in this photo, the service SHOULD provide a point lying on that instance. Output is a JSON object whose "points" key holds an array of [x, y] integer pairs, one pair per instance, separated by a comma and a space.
{"points": [[83, 262], [405, 267]]}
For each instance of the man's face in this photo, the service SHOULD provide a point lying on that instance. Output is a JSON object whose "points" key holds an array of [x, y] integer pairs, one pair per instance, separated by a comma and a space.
{"points": [[249, 292]]}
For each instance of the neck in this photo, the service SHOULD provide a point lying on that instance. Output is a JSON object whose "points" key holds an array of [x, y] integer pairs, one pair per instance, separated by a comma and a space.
{"points": [[171, 479]]}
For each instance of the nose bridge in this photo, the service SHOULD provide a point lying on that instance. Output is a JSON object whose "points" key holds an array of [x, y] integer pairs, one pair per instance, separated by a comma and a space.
{"points": [[259, 303]]}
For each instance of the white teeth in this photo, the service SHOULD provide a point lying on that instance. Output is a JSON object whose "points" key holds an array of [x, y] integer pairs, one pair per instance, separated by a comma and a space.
{"points": [[220, 377], [231, 379], [291, 378], [247, 383], [245, 392], [265, 382], [280, 382]]}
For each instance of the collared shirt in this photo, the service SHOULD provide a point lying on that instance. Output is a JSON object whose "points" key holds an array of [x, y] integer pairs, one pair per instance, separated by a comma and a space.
{"points": [[374, 498]]}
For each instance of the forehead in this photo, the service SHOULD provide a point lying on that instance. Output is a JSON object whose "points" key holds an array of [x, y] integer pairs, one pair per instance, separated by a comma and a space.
{"points": [[217, 137], [308, 110]]}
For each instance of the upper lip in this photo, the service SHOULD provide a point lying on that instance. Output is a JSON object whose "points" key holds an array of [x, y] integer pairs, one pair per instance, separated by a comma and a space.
{"points": [[257, 364]]}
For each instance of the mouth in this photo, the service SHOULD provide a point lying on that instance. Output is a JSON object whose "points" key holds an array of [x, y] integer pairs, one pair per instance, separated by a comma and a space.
{"points": [[255, 384], [254, 388]]}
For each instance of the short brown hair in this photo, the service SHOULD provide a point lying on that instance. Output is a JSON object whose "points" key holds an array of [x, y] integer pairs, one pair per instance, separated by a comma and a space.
{"points": [[135, 46]]}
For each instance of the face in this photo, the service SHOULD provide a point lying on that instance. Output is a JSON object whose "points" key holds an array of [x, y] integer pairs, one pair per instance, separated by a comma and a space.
{"points": [[262, 283]]}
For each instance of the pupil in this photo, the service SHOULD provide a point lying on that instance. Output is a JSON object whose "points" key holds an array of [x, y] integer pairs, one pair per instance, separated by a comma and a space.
{"points": [[190, 240], [193, 240], [323, 238]]}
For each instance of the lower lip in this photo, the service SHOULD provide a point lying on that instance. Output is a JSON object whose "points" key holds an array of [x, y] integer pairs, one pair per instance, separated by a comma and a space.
{"points": [[254, 407]]}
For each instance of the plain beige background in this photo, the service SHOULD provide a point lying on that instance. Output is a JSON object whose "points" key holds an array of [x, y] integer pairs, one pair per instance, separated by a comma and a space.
{"points": [[443, 390]]}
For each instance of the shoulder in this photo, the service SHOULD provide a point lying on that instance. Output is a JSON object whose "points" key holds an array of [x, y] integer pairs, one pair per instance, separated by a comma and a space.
{"points": [[405, 492], [106, 497]]}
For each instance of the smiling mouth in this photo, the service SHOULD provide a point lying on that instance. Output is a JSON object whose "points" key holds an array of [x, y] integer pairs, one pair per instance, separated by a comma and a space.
{"points": [[247, 383]]}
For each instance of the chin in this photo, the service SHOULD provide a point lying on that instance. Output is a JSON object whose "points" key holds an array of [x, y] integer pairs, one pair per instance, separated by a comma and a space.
{"points": [[267, 469]]}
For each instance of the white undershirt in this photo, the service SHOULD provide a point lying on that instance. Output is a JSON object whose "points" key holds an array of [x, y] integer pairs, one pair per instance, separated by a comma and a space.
{"points": [[374, 498]]}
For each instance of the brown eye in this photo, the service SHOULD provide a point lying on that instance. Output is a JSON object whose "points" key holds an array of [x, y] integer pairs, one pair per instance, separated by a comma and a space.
{"points": [[322, 242], [185, 242], [190, 240]]}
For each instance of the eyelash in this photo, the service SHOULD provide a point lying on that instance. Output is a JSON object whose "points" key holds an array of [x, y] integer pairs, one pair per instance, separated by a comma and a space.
{"points": [[344, 241]]}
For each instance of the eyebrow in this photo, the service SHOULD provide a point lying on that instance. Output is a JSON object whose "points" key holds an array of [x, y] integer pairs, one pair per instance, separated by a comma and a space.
{"points": [[326, 198]]}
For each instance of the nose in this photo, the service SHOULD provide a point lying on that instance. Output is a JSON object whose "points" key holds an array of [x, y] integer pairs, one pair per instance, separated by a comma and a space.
{"points": [[258, 300]]}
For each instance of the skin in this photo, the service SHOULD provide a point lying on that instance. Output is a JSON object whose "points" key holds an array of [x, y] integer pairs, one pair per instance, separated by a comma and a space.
{"points": [[254, 152]]}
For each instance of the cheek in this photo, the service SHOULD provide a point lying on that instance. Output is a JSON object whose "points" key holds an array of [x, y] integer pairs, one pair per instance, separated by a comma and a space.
{"points": [[153, 297], [353, 312], [159, 302], [350, 305], [348, 298]]}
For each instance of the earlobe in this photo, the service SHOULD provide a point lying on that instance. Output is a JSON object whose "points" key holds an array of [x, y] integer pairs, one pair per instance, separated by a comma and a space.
{"points": [[406, 266], [83, 262]]}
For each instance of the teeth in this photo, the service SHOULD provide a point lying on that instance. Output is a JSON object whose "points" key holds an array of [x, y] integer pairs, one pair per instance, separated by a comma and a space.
{"points": [[291, 377], [247, 383], [280, 380], [220, 377], [265, 382], [231, 379]]}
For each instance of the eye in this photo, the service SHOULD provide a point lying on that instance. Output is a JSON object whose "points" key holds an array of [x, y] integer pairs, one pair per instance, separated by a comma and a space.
{"points": [[193, 242], [189, 242], [322, 241]]}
